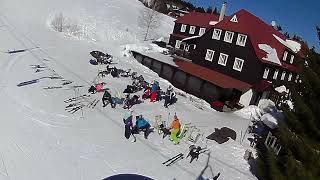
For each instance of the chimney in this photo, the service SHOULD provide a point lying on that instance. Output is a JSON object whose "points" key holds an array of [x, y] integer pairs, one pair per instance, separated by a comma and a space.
{"points": [[223, 11]]}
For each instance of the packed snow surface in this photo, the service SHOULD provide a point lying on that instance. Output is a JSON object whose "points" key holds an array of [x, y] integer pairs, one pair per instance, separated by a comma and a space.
{"points": [[272, 55], [269, 120], [41, 140]]}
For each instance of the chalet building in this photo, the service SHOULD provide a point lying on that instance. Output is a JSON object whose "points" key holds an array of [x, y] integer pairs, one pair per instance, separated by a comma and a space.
{"points": [[192, 24], [237, 53]]}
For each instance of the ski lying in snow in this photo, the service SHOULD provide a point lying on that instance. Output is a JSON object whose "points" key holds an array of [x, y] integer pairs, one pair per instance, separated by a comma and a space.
{"points": [[66, 83], [76, 98], [94, 105], [73, 105], [91, 103], [173, 158], [53, 87], [28, 82], [75, 109], [37, 66]]}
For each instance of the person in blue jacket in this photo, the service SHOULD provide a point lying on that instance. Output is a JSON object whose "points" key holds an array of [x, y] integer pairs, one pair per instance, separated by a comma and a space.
{"points": [[143, 125]]}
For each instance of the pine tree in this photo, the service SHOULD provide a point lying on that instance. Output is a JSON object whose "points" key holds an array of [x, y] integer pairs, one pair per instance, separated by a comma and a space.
{"points": [[299, 135]]}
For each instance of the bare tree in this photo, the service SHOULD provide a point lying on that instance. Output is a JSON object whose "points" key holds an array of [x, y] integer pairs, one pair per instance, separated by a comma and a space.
{"points": [[149, 19], [58, 22]]}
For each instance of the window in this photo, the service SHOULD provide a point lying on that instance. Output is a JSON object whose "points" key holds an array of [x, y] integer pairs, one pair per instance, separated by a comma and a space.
{"points": [[192, 29], [297, 78], [241, 41], [178, 43], [291, 59], [209, 55], [290, 77], [216, 34], [283, 75], [228, 37], [183, 28], [275, 75], [202, 31], [234, 19], [285, 54], [186, 47], [223, 59], [238, 64], [266, 72], [194, 46]]}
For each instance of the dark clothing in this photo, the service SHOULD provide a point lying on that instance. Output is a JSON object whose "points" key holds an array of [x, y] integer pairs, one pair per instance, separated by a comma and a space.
{"points": [[194, 152], [92, 90], [142, 125], [164, 130], [106, 99]]}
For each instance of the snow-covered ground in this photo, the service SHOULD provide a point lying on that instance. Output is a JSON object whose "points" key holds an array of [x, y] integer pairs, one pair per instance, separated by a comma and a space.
{"points": [[40, 140]]}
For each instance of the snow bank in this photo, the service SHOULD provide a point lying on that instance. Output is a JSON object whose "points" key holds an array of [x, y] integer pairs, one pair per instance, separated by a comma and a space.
{"points": [[246, 98], [281, 89], [267, 106], [272, 55], [142, 48], [269, 120], [251, 112], [293, 45]]}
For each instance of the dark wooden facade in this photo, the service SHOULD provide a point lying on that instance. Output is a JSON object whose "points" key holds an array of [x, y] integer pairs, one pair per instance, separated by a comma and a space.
{"points": [[252, 69]]}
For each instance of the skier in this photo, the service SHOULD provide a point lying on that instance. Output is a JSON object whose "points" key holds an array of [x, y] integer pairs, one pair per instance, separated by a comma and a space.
{"points": [[107, 97], [169, 97], [164, 130], [175, 128], [127, 120], [194, 152], [142, 124], [154, 88]]}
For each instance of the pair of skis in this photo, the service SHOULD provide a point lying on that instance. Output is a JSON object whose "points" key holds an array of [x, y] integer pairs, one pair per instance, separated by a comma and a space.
{"points": [[93, 103], [75, 109], [174, 159], [76, 98]]}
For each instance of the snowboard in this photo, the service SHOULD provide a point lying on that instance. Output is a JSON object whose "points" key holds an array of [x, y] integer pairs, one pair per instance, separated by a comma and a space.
{"points": [[127, 132]]}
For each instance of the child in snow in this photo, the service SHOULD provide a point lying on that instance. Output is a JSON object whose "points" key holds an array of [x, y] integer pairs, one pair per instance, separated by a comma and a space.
{"points": [[194, 152], [154, 88], [175, 128], [147, 93], [127, 120], [142, 124], [169, 97], [92, 90], [106, 99]]}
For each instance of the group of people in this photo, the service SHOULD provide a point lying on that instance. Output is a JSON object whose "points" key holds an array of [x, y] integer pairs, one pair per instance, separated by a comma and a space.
{"points": [[141, 124]]}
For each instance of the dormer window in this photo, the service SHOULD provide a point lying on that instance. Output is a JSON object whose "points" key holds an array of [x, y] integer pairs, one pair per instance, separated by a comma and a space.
{"points": [[290, 77], [228, 36], [202, 31], [283, 75], [178, 43], [183, 28], [241, 40], [216, 34], [234, 19], [266, 72], [192, 29], [186, 47], [275, 75], [291, 59], [285, 54]]}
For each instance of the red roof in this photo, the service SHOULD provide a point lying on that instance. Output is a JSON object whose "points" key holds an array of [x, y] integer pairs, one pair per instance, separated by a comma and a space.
{"points": [[258, 31], [198, 19], [179, 36], [212, 76]]}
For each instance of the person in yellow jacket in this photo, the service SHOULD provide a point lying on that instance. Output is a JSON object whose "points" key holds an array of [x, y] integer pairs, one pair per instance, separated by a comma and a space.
{"points": [[175, 128]]}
